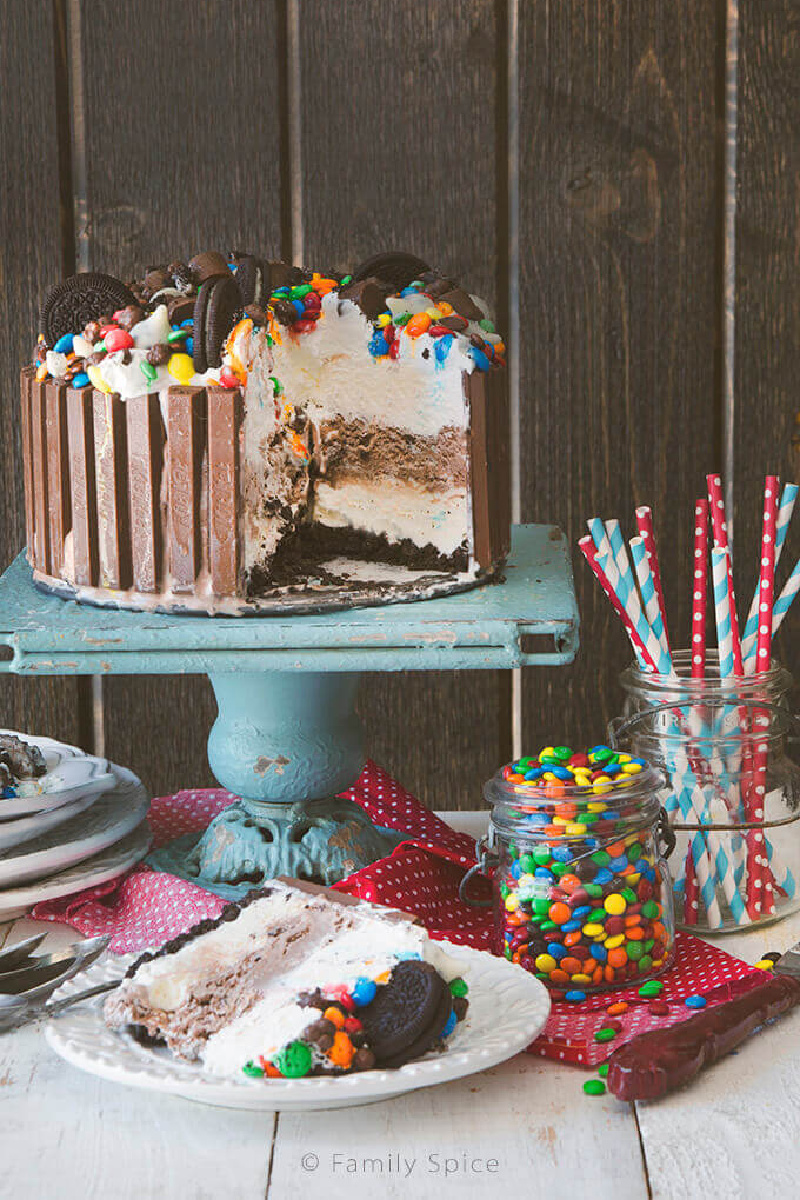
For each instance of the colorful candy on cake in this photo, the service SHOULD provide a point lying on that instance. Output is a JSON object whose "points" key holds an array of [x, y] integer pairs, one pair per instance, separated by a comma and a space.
{"points": [[230, 426], [295, 980]]}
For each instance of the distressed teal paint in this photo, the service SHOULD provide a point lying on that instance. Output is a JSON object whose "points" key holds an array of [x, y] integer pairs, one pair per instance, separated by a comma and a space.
{"points": [[287, 738], [482, 628]]}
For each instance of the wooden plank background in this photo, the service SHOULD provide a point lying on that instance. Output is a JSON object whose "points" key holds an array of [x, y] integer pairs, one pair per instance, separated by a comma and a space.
{"points": [[620, 179]]}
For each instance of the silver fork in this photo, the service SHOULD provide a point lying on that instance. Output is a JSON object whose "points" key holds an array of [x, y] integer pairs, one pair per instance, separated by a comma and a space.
{"points": [[28, 981]]}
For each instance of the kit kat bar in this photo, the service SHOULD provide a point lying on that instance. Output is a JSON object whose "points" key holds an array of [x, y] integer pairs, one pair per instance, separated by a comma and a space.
{"points": [[82, 485], [58, 485], [486, 393], [186, 436], [111, 482], [225, 411], [145, 467], [26, 385], [41, 536]]}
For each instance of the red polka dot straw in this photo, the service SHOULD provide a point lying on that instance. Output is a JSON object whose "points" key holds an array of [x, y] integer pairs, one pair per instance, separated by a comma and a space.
{"points": [[146, 907]]}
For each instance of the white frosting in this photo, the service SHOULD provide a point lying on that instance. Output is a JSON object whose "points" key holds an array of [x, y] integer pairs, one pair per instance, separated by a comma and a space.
{"points": [[330, 372], [398, 510]]}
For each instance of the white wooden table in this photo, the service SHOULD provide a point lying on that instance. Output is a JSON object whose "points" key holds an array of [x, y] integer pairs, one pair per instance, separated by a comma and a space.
{"points": [[524, 1128]]}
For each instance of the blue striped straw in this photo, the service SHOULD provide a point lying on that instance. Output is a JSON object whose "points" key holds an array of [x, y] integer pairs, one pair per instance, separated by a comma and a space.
{"points": [[633, 608], [647, 584], [785, 509], [722, 610]]}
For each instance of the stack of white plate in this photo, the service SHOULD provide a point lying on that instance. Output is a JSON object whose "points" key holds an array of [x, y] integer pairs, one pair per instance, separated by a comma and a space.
{"points": [[80, 824]]}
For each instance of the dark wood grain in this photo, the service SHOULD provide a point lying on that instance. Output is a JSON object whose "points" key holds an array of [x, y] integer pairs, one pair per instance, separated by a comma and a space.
{"points": [[181, 136], [30, 260], [618, 304], [766, 298], [399, 151]]}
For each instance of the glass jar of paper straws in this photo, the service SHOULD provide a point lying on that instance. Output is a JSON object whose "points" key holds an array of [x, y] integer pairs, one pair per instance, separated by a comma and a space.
{"points": [[715, 721], [733, 798]]}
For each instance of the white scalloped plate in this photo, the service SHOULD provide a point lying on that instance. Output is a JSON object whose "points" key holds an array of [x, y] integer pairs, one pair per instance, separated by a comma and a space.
{"points": [[108, 864], [507, 1009], [112, 816]]}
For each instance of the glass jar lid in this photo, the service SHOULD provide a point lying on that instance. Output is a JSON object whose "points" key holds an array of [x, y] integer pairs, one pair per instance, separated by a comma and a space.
{"points": [[560, 793]]}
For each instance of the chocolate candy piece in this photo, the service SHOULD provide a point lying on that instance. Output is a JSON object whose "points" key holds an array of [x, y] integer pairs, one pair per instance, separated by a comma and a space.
{"points": [[71, 304], [455, 322], [408, 1014], [224, 302], [156, 279], [208, 263], [463, 304], [394, 268], [180, 308], [131, 315], [284, 311], [369, 294]]}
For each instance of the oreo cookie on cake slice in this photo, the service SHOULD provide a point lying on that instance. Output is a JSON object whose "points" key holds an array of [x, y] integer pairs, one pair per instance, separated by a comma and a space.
{"points": [[408, 1015], [73, 303]]}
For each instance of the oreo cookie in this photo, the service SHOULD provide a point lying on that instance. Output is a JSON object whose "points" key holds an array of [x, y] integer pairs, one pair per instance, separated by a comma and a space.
{"points": [[252, 278], [71, 304], [408, 1015], [200, 315], [224, 302], [393, 267]]}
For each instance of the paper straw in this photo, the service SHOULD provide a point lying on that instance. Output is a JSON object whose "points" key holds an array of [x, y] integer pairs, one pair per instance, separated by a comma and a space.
{"points": [[722, 611], [644, 574], [644, 523], [779, 610], [589, 551], [785, 510], [699, 589], [657, 658], [691, 892], [719, 524], [766, 577], [759, 882]]}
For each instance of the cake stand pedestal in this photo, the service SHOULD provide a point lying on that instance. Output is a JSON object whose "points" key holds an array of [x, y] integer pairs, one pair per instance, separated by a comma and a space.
{"points": [[287, 739]]}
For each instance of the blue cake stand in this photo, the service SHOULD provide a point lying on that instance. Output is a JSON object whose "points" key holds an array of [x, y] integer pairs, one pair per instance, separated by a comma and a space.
{"points": [[287, 738]]}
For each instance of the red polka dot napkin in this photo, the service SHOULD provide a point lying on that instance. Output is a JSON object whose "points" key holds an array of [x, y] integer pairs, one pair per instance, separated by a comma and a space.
{"points": [[146, 907]]}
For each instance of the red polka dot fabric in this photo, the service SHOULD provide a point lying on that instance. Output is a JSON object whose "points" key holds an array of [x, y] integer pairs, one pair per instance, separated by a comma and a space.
{"points": [[146, 907]]}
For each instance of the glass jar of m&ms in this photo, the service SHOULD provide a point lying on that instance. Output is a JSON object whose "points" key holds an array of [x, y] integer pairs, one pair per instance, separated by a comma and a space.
{"points": [[576, 848]]}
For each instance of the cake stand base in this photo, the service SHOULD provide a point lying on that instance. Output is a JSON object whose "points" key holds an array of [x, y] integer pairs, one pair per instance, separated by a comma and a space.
{"points": [[319, 840], [286, 743]]}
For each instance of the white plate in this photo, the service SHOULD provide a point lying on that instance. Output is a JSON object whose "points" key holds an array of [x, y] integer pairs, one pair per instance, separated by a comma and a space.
{"points": [[14, 833], [117, 859], [108, 820], [70, 775], [507, 1009]]}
